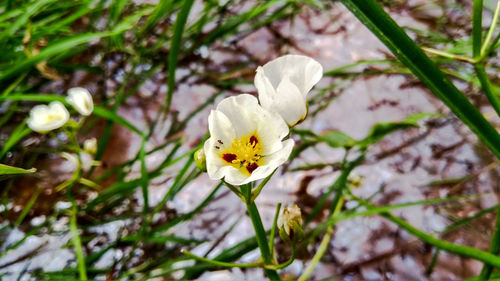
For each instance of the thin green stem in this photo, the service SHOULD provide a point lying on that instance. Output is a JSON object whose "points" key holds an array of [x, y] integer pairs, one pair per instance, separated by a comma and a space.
{"points": [[373, 16], [221, 263], [477, 21], [77, 243], [494, 248], [324, 243], [494, 22], [273, 229], [260, 234], [486, 86], [491, 46], [465, 251], [257, 191], [285, 264], [317, 257], [234, 190], [448, 55], [28, 206]]}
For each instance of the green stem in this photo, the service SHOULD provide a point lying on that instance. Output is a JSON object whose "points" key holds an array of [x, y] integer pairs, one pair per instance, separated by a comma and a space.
{"points": [[448, 55], [490, 31], [221, 263], [324, 242], [373, 16], [494, 248], [257, 191], [273, 229], [317, 257], [260, 234], [234, 190], [283, 265], [465, 251], [491, 46], [486, 86], [477, 20], [77, 243]]}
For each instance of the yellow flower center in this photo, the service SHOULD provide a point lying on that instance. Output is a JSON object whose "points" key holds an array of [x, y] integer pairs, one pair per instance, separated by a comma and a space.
{"points": [[52, 117], [244, 154]]}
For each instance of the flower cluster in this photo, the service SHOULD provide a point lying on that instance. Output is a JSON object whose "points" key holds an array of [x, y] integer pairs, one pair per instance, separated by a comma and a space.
{"points": [[247, 140], [44, 118]]}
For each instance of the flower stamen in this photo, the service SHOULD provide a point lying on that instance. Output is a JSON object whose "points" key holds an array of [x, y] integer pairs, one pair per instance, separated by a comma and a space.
{"points": [[245, 153]]}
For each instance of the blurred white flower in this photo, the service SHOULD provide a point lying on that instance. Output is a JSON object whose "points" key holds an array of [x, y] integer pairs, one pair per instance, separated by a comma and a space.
{"points": [[44, 118], [85, 161], [245, 141], [81, 100], [72, 159], [283, 84], [90, 146], [289, 218]]}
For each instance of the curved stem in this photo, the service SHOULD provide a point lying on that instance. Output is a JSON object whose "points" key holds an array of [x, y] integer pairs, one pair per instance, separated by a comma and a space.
{"points": [[494, 248], [273, 229], [283, 265], [221, 263], [257, 191], [234, 190]]}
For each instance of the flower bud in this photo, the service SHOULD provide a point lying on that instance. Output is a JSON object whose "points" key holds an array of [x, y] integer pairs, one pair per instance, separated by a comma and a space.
{"points": [[290, 225], [200, 160], [90, 146]]}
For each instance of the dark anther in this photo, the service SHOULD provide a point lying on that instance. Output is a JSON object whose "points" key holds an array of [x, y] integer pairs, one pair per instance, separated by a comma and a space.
{"points": [[219, 141], [217, 147], [229, 157], [252, 167], [253, 141]]}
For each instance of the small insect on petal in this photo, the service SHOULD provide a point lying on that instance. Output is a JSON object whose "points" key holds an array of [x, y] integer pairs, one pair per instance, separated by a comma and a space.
{"points": [[245, 141]]}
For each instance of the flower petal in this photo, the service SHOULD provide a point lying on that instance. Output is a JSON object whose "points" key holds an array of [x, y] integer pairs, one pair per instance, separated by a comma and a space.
{"points": [[289, 102], [81, 100], [304, 71], [271, 129], [45, 118], [242, 110], [264, 87], [220, 127]]}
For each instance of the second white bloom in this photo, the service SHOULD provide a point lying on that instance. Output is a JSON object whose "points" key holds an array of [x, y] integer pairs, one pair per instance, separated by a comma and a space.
{"points": [[81, 100], [283, 84], [245, 141]]}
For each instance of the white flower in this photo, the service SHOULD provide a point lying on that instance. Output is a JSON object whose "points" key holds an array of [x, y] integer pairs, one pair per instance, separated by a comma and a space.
{"points": [[245, 141], [290, 218], [283, 84], [85, 161], [81, 100], [45, 118], [90, 146]]}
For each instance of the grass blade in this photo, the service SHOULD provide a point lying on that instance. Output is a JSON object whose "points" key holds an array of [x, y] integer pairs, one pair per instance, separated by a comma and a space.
{"points": [[174, 49], [9, 170], [371, 14]]}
